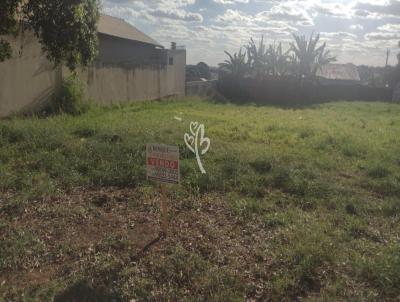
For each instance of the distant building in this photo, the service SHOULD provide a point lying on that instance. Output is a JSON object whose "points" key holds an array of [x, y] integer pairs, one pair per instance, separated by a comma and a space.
{"points": [[130, 66], [338, 74]]}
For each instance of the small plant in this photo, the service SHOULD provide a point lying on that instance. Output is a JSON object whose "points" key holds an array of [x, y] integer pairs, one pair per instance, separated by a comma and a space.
{"points": [[70, 98]]}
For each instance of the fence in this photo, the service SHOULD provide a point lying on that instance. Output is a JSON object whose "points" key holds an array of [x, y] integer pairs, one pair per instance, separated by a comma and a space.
{"points": [[291, 91], [201, 88]]}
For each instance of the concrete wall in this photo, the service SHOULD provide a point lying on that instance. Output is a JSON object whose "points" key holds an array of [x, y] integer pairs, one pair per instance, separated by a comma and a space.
{"points": [[117, 83], [176, 73], [28, 80]]}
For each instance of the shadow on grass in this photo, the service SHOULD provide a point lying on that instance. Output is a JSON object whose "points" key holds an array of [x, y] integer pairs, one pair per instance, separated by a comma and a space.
{"points": [[83, 291]]}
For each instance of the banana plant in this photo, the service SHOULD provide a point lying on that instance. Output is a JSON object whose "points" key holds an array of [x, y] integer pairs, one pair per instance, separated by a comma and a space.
{"points": [[267, 61], [278, 61], [309, 57], [257, 58], [236, 65]]}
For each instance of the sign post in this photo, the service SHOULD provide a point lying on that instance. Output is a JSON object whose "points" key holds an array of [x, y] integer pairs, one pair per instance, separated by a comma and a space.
{"points": [[164, 209], [163, 167]]}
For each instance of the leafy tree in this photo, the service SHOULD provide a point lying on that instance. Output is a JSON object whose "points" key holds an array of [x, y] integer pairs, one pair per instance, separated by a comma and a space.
{"points": [[203, 70], [66, 29], [236, 65], [192, 73], [197, 72], [8, 25], [309, 57], [5, 50]]}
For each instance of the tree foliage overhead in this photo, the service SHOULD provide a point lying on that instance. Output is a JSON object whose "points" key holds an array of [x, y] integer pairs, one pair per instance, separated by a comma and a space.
{"points": [[8, 25], [66, 29]]}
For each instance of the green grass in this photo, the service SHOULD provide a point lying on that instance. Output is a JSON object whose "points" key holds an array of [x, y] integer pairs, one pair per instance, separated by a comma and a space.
{"points": [[296, 203]]}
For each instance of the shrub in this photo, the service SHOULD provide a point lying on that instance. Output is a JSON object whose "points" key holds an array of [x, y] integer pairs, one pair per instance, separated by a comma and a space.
{"points": [[11, 134], [70, 98]]}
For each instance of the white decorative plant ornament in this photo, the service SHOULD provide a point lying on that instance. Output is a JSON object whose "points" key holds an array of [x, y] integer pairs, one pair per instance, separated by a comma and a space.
{"points": [[197, 143]]}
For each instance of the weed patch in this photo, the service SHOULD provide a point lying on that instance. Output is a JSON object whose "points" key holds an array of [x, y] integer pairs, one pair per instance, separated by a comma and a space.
{"points": [[383, 272], [290, 208]]}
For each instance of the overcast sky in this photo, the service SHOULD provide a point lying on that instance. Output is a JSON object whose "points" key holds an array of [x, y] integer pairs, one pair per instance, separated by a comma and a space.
{"points": [[357, 31]]}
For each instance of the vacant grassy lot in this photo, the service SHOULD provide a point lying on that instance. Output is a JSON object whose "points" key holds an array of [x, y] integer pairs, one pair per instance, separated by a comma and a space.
{"points": [[296, 204]]}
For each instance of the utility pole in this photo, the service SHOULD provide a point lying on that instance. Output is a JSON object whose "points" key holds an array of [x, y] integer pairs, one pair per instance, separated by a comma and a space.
{"points": [[387, 71], [387, 57]]}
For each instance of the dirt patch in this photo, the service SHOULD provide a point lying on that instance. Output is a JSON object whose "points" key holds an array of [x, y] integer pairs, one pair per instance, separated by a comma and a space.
{"points": [[75, 232]]}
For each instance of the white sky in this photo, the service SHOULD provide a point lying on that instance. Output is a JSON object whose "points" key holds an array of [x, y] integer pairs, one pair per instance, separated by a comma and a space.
{"points": [[356, 31]]}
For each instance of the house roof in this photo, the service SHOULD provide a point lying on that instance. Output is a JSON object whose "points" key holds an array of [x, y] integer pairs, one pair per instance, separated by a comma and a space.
{"points": [[339, 72], [121, 29]]}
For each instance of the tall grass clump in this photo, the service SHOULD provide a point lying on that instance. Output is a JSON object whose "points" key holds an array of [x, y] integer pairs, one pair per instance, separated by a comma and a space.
{"points": [[70, 98]]}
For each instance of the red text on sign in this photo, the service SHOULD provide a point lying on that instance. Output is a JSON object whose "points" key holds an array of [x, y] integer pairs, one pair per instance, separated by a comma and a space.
{"points": [[163, 163]]}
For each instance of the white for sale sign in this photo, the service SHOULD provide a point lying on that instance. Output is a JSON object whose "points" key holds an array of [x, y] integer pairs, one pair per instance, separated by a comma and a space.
{"points": [[163, 163]]}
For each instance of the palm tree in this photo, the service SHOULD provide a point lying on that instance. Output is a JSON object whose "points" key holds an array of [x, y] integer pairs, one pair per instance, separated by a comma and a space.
{"points": [[309, 57], [236, 65]]}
